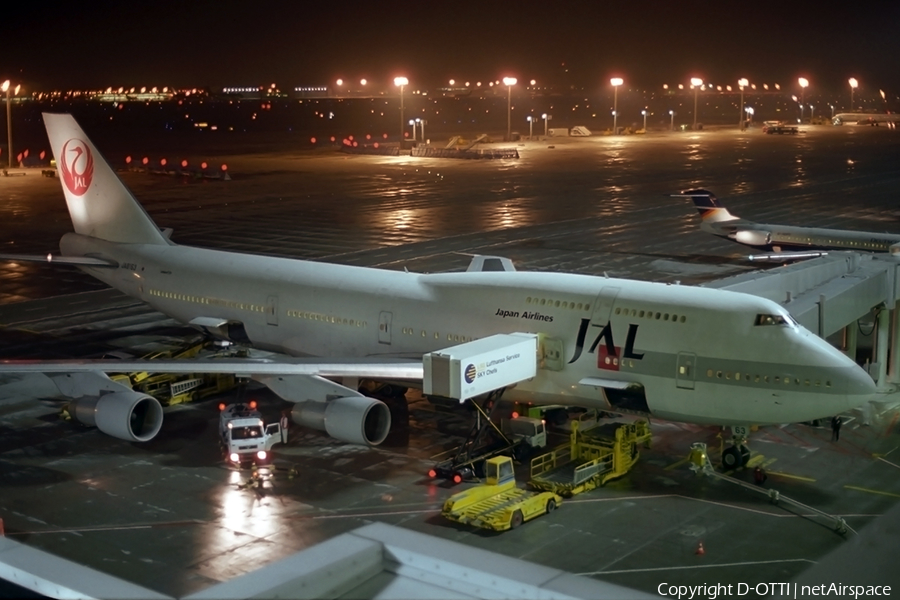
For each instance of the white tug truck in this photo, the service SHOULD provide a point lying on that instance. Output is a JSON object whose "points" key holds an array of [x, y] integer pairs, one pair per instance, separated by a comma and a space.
{"points": [[245, 437]]}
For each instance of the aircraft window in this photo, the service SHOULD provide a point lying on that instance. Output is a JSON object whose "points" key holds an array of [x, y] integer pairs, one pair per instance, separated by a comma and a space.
{"points": [[566, 305], [787, 381], [683, 318], [827, 384], [777, 379], [618, 310], [728, 375], [543, 301], [737, 376], [528, 300], [674, 318], [719, 374], [556, 303], [762, 319], [587, 307], [765, 379], [657, 316], [709, 372], [423, 333], [666, 317], [818, 383], [436, 335], [806, 383], [641, 314]]}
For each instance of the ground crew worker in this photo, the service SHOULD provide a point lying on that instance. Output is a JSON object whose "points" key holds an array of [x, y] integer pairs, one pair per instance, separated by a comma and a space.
{"points": [[836, 428], [284, 426]]}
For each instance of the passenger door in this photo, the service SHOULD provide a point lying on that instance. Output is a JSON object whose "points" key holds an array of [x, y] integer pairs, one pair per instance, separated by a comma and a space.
{"points": [[684, 371]]}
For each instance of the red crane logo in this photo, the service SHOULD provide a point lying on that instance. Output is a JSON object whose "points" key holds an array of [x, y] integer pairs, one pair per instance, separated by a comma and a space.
{"points": [[77, 166]]}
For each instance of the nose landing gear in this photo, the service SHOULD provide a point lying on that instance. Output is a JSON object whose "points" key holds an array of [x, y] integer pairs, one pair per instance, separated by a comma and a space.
{"points": [[738, 454]]}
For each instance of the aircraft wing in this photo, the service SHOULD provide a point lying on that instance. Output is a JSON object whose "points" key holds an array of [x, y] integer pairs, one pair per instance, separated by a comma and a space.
{"points": [[84, 261], [333, 367]]}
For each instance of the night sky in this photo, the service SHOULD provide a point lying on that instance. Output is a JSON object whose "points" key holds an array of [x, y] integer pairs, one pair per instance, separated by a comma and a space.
{"points": [[71, 44]]}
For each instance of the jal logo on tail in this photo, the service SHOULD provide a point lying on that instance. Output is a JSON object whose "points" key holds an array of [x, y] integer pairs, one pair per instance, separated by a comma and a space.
{"points": [[77, 166]]}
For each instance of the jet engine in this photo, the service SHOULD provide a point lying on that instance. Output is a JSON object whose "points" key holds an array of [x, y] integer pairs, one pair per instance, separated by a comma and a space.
{"points": [[355, 419], [752, 237], [126, 415]]}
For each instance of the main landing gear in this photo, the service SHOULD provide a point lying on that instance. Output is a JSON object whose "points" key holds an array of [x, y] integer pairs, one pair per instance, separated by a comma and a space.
{"points": [[738, 454]]}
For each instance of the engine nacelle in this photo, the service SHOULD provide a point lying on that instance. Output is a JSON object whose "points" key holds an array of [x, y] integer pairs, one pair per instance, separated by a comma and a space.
{"points": [[356, 419], [129, 416], [753, 237]]}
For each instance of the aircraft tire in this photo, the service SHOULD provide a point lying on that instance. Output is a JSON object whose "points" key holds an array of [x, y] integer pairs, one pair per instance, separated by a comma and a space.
{"points": [[731, 458]]}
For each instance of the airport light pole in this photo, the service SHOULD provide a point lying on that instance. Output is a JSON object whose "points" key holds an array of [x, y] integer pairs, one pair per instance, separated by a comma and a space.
{"points": [[853, 85], [530, 126], [644, 112], [401, 82], [5, 88], [546, 118], [803, 81], [742, 83], [412, 123], [812, 113], [672, 119], [616, 82], [750, 112], [831, 106], [509, 82], [696, 82]]}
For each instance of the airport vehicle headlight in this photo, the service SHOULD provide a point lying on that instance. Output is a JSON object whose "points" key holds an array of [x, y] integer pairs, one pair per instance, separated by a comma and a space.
{"points": [[261, 455], [234, 457]]}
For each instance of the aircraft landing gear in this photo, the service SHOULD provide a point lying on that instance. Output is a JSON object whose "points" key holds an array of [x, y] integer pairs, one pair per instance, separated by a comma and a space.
{"points": [[738, 454]]}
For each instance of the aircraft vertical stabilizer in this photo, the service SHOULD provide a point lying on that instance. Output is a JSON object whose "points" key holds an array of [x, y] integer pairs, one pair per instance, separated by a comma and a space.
{"points": [[709, 207], [99, 203]]}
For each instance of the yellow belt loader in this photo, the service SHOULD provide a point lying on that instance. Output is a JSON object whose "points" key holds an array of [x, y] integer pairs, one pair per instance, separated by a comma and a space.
{"points": [[589, 461], [499, 504]]}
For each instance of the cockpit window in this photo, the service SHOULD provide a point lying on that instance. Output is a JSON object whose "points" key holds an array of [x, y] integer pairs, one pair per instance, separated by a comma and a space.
{"points": [[787, 320]]}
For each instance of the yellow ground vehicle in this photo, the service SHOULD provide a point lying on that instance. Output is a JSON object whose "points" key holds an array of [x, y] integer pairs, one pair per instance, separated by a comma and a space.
{"points": [[176, 388], [589, 461], [499, 504]]}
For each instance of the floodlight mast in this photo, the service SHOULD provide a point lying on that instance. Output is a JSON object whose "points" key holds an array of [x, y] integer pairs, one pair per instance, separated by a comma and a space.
{"points": [[616, 82], [509, 82], [401, 82], [696, 82]]}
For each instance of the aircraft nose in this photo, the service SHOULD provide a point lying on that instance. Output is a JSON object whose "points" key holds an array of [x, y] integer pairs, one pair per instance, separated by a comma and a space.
{"points": [[861, 387]]}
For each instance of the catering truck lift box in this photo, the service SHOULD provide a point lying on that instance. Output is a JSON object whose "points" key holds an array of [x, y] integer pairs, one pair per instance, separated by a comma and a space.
{"points": [[481, 366]]}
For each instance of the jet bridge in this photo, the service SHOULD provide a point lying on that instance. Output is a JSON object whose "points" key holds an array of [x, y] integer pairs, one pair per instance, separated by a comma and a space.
{"points": [[830, 294]]}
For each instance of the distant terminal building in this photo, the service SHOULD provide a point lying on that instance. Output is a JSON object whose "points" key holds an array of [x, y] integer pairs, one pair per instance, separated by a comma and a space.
{"points": [[311, 91]]}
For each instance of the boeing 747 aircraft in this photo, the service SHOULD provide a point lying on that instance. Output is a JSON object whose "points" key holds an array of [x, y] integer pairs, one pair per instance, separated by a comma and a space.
{"points": [[676, 352], [785, 242]]}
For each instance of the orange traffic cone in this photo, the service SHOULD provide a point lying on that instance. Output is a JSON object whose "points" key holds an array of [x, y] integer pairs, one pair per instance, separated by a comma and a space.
{"points": [[700, 551]]}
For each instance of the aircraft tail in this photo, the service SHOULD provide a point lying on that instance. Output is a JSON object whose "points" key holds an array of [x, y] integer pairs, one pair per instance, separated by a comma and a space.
{"points": [[99, 203], [709, 207]]}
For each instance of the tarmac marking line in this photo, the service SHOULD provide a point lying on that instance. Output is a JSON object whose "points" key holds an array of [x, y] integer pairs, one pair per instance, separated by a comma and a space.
{"points": [[682, 568], [896, 466], [790, 476], [879, 492]]}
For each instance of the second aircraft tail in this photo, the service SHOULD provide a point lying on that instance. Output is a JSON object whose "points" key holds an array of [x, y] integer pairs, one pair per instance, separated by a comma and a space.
{"points": [[99, 203], [709, 207]]}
